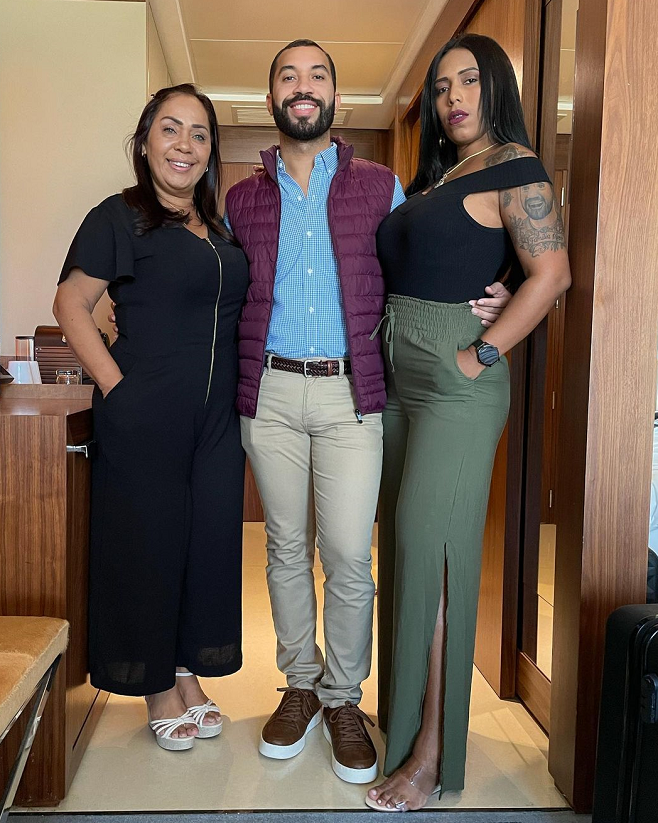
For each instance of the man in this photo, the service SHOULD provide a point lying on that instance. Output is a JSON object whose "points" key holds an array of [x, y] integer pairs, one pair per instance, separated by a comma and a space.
{"points": [[311, 393]]}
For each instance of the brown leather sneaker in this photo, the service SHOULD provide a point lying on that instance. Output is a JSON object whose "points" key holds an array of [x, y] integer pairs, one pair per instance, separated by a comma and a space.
{"points": [[353, 755], [284, 734]]}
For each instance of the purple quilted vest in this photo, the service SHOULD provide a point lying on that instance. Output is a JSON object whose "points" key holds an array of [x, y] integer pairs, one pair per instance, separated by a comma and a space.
{"points": [[359, 199]]}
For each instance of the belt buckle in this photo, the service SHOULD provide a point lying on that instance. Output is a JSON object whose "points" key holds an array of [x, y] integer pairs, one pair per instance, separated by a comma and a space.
{"points": [[308, 360]]}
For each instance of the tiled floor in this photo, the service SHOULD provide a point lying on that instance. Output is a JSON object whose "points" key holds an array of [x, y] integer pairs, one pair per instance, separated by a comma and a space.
{"points": [[123, 769]]}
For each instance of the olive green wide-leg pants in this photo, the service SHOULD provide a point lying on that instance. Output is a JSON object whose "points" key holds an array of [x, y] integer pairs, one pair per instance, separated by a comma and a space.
{"points": [[441, 430]]}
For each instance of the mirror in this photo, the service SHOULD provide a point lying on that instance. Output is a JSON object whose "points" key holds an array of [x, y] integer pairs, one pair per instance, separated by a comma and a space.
{"points": [[539, 547]]}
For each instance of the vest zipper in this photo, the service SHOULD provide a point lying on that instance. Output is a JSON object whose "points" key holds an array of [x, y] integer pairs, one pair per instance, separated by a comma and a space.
{"points": [[214, 330], [357, 410]]}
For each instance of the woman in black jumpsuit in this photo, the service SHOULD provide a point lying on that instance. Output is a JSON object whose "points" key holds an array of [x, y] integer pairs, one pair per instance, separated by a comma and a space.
{"points": [[165, 565]]}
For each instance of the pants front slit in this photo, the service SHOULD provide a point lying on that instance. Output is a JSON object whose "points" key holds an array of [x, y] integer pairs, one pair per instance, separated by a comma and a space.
{"points": [[441, 429]]}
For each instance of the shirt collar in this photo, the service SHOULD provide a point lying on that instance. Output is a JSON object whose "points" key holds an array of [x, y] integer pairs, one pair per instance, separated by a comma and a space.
{"points": [[327, 159]]}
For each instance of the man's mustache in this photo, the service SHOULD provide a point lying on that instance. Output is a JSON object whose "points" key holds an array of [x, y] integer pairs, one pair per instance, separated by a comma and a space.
{"points": [[300, 98]]}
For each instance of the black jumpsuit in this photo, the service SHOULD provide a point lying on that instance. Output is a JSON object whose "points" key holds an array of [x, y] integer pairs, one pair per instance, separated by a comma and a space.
{"points": [[166, 534]]}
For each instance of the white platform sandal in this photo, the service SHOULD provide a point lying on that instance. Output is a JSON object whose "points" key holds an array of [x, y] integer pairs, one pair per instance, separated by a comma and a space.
{"points": [[163, 730], [196, 715]]}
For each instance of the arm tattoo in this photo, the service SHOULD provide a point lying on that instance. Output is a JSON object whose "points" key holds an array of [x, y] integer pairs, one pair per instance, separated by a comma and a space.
{"points": [[537, 239], [537, 200], [507, 198], [506, 153]]}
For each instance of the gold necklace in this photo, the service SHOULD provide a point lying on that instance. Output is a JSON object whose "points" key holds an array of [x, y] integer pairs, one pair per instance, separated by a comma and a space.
{"points": [[177, 208], [461, 162], [189, 221]]}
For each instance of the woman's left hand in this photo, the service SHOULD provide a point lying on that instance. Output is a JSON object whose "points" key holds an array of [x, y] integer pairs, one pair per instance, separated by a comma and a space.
{"points": [[468, 363]]}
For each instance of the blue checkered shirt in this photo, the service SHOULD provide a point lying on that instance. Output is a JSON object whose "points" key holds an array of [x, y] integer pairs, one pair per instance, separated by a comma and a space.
{"points": [[307, 313]]}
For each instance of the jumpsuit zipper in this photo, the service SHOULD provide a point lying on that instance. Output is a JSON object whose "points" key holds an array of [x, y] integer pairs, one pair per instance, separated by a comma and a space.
{"points": [[214, 330]]}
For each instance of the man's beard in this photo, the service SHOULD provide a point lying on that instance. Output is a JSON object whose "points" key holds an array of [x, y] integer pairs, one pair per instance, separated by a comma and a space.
{"points": [[303, 129]]}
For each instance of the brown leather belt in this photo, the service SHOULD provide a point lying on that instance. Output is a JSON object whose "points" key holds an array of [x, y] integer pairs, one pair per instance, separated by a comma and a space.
{"points": [[311, 368]]}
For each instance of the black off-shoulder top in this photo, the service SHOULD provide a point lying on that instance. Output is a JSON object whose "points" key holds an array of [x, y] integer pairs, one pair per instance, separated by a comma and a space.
{"points": [[432, 249]]}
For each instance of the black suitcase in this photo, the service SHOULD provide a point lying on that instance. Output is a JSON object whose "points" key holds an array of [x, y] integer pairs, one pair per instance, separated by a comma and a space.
{"points": [[626, 783]]}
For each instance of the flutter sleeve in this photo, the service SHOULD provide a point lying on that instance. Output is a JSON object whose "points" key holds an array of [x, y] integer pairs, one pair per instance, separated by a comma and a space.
{"points": [[102, 247]]}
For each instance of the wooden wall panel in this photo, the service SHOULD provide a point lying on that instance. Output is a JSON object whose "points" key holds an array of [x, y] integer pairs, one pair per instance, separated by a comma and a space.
{"points": [[403, 152], [243, 144], [610, 369], [550, 90], [515, 25], [232, 173], [449, 22]]}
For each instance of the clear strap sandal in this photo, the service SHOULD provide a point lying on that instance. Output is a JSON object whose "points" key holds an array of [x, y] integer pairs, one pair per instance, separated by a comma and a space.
{"points": [[421, 779]]}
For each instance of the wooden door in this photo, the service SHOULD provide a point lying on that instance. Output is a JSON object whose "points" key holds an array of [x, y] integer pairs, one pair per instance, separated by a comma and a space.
{"points": [[554, 361], [515, 25]]}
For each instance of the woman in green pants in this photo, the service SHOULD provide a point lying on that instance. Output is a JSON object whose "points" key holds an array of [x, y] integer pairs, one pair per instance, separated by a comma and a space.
{"points": [[481, 203]]}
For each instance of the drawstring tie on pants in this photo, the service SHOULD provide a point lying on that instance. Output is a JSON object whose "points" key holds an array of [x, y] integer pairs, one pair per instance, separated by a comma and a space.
{"points": [[389, 318]]}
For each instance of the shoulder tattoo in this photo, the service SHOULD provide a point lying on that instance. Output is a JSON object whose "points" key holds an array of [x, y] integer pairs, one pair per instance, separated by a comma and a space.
{"points": [[509, 152]]}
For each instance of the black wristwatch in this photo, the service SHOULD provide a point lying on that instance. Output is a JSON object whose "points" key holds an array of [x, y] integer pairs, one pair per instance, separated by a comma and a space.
{"points": [[486, 354]]}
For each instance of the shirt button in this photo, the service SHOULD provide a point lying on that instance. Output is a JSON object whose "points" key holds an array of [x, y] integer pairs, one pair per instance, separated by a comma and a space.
{"points": [[299, 197], [311, 310], [310, 271], [311, 349], [309, 234]]}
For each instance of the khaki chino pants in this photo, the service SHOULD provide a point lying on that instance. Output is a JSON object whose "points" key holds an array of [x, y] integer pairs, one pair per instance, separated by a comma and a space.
{"points": [[318, 473]]}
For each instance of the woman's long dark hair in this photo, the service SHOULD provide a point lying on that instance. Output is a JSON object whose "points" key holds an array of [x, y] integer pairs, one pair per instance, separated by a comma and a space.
{"points": [[142, 197], [500, 108]]}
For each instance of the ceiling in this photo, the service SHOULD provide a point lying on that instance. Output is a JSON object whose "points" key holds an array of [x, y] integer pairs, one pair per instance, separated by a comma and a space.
{"points": [[227, 47]]}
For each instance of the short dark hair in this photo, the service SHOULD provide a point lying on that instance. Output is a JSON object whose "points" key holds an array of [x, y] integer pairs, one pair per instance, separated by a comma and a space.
{"points": [[143, 198], [500, 108], [296, 44]]}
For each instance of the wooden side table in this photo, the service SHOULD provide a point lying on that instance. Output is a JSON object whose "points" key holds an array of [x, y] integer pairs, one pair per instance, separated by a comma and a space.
{"points": [[44, 543]]}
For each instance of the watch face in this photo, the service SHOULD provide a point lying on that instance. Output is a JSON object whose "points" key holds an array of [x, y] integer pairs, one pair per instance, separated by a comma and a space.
{"points": [[488, 355]]}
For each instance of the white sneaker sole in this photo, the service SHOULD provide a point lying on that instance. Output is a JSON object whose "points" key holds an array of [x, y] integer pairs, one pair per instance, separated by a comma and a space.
{"points": [[286, 752], [347, 774]]}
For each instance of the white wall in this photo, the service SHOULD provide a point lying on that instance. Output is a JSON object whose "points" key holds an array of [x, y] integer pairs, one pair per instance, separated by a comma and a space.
{"points": [[158, 73], [73, 83]]}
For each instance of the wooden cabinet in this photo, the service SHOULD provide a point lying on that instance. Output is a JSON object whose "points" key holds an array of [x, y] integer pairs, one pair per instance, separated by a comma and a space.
{"points": [[44, 537]]}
